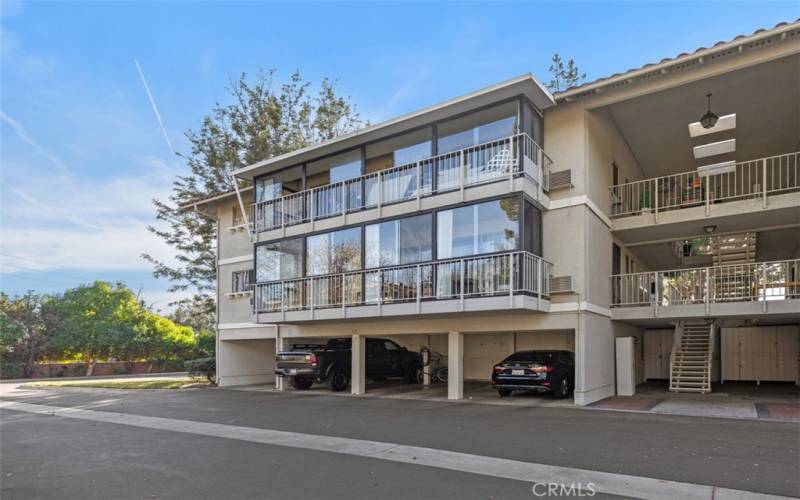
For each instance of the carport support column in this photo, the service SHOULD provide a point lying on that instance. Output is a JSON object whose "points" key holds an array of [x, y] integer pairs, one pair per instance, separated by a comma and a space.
{"points": [[357, 368], [455, 365], [280, 382]]}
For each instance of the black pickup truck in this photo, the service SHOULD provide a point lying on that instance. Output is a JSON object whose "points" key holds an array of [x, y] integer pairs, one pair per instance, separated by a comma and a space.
{"points": [[330, 363]]}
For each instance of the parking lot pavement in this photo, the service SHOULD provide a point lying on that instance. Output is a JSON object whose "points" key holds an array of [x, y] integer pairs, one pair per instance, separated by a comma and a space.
{"points": [[46, 457], [474, 391], [746, 455]]}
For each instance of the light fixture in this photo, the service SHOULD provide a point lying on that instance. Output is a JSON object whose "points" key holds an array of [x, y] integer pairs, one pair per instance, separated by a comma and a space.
{"points": [[726, 167], [709, 229], [709, 119]]}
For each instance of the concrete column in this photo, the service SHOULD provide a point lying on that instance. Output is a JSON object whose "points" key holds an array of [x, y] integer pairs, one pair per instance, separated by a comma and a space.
{"points": [[426, 370], [280, 382], [357, 367], [455, 365]]}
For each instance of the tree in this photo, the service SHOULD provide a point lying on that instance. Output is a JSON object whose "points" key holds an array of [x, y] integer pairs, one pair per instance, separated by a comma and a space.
{"points": [[98, 322], [563, 76], [25, 324], [260, 123]]}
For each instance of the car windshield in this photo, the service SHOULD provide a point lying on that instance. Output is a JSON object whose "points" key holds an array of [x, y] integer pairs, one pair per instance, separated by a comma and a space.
{"points": [[531, 357]]}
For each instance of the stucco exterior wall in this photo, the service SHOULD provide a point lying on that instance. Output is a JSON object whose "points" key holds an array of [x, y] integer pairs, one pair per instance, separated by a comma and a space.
{"points": [[241, 362], [605, 146]]}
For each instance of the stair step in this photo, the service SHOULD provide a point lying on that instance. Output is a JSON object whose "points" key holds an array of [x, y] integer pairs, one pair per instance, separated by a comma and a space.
{"points": [[689, 389]]}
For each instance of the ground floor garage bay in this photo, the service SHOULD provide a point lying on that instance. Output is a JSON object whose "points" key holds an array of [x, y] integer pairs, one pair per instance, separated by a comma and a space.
{"points": [[457, 354]]}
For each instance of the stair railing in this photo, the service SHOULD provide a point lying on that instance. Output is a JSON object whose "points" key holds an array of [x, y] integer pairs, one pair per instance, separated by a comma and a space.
{"points": [[677, 337], [711, 345]]}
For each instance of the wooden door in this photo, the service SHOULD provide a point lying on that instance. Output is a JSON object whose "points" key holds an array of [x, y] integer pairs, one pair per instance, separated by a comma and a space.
{"points": [[657, 349]]}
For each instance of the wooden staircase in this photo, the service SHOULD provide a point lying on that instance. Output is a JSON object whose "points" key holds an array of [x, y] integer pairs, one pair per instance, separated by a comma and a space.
{"points": [[691, 358]]}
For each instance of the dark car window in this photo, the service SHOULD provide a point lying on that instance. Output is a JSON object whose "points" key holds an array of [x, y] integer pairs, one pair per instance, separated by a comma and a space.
{"points": [[567, 357], [391, 346], [531, 357]]}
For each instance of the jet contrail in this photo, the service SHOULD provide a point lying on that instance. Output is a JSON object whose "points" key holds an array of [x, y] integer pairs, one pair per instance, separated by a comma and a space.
{"points": [[155, 108]]}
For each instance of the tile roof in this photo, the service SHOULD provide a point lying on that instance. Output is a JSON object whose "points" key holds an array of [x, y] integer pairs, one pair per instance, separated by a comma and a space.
{"points": [[696, 53]]}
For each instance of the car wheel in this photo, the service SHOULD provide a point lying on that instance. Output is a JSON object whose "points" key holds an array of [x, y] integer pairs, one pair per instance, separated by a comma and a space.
{"points": [[338, 380], [301, 383], [562, 389], [504, 393]]}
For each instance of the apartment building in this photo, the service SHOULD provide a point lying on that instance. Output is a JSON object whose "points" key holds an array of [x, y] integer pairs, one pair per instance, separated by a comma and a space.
{"points": [[510, 219]]}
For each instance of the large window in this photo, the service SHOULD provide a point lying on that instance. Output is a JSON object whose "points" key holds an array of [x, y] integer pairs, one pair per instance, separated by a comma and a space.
{"points": [[279, 260], [534, 124], [399, 150], [477, 128], [282, 183], [402, 241], [532, 229], [334, 252], [477, 229]]}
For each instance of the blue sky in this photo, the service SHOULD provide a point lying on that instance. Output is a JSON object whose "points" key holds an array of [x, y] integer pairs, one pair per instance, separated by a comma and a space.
{"points": [[82, 153]]}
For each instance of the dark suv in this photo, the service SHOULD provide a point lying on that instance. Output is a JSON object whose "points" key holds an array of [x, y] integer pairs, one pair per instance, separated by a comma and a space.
{"points": [[542, 371]]}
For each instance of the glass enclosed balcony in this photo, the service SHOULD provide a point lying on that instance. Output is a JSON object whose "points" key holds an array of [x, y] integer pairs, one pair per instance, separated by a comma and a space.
{"points": [[518, 279], [497, 160]]}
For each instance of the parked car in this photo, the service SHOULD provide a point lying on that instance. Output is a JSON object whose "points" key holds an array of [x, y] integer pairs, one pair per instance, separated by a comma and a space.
{"points": [[542, 371], [330, 363]]}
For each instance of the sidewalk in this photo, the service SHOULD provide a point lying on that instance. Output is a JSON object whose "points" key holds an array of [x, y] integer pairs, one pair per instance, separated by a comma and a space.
{"points": [[742, 400]]}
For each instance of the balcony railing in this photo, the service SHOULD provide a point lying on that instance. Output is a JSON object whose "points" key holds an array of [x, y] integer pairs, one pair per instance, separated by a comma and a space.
{"points": [[485, 163], [751, 179], [753, 282], [512, 273]]}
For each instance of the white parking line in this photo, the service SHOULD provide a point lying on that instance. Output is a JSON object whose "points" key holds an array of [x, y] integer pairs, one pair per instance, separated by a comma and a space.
{"points": [[603, 482]]}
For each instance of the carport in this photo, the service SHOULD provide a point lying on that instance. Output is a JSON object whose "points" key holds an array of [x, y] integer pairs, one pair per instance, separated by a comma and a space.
{"points": [[468, 357]]}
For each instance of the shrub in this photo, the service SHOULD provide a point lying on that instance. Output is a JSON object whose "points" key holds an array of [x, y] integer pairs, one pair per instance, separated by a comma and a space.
{"points": [[202, 367]]}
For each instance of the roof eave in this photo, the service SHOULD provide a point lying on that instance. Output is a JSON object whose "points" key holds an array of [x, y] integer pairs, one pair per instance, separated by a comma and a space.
{"points": [[665, 65], [540, 96]]}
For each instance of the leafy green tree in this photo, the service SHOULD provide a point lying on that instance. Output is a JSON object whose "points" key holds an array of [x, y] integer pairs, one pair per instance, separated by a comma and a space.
{"points": [[563, 75], [25, 325], [98, 322], [261, 122]]}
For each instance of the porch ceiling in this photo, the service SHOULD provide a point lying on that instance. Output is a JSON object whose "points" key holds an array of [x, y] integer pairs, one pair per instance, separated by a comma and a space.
{"points": [[777, 244], [765, 98]]}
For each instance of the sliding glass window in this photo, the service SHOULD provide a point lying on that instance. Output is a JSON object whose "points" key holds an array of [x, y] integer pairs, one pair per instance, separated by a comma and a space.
{"points": [[330, 198], [477, 128], [396, 157], [334, 252], [487, 227], [279, 260], [402, 241]]}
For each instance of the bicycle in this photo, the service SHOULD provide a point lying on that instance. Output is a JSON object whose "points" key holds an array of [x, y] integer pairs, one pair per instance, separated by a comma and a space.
{"points": [[436, 369]]}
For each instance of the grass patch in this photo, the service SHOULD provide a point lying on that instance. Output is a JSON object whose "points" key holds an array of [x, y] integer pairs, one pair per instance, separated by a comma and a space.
{"points": [[146, 383]]}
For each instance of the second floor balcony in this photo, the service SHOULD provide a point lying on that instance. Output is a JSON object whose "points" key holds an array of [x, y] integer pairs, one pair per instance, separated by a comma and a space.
{"points": [[726, 290], [760, 179], [505, 281], [501, 160]]}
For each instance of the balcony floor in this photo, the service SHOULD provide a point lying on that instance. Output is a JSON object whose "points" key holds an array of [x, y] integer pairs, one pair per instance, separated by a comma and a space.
{"points": [[771, 311], [731, 216], [498, 303], [470, 193]]}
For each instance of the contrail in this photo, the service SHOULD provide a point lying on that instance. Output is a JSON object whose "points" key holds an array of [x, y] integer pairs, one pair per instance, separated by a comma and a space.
{"points": [[155, 108], [20, 131]]}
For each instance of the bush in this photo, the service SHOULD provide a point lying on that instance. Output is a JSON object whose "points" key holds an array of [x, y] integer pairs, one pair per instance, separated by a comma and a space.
{"points": [[202, 367]]}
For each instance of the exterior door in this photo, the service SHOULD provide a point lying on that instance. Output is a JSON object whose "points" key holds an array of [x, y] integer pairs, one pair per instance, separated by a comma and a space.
{"points": [[657, 349]]}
